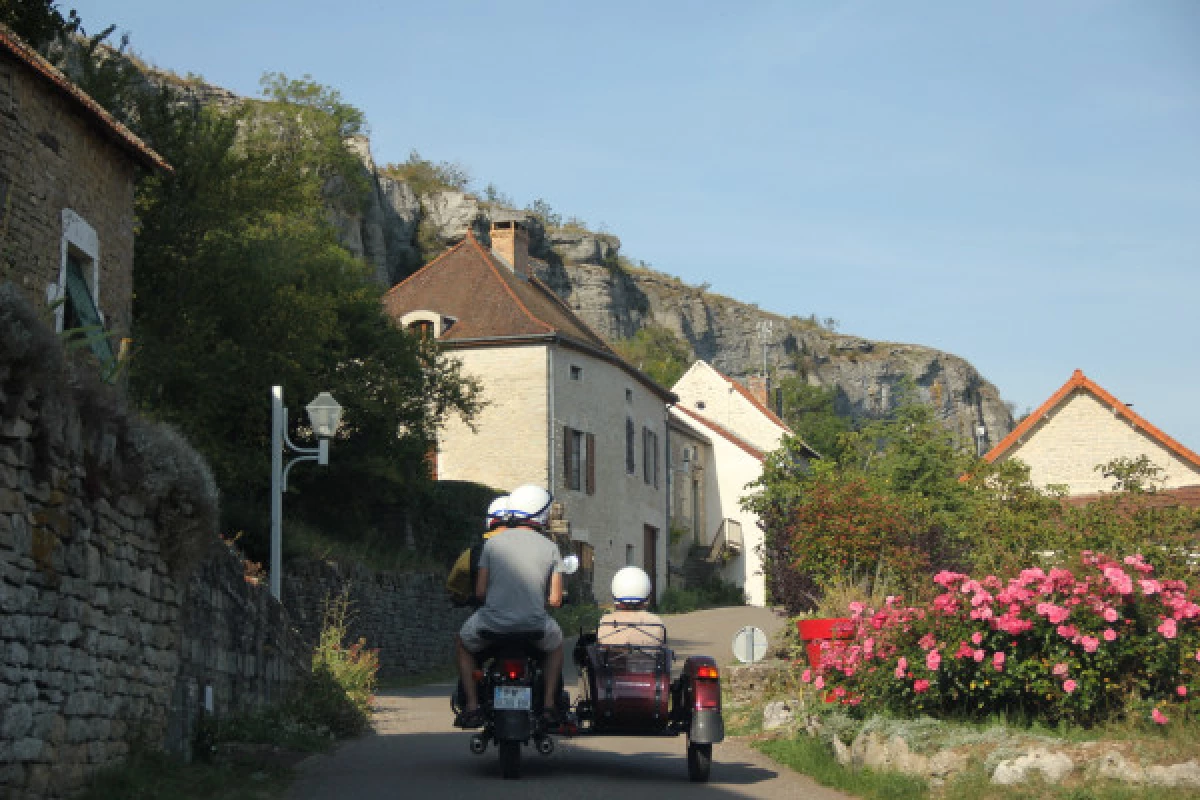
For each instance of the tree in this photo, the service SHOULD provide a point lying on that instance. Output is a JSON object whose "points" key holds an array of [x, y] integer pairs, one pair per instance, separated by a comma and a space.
{"points": [[658, 352], [39, 22], [809, 411]]}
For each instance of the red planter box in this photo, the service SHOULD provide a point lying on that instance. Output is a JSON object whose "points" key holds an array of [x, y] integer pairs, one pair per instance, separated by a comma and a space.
{"points": [[814, 631]]}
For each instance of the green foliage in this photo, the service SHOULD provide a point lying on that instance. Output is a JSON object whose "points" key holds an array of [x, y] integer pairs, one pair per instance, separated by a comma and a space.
{"points": [[809, 412], [543, 211], [574, 617], [1132, 474], [39, 22], [813, 757], [338, 694], [149, 775], [424, 176], [658, 352], [713, 594]]}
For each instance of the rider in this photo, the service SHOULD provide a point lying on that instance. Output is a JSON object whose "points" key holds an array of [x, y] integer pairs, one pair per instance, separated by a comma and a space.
{"points": [[461, 581], [520, 574], [630, 623]]}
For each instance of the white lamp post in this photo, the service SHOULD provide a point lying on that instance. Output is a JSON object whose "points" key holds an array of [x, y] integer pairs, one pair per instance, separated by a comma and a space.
{"points": [[324, 413]]}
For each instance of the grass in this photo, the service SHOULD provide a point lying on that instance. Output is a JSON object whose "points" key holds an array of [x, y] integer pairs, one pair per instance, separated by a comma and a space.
{"points": [[810, 756], [151, 776]]}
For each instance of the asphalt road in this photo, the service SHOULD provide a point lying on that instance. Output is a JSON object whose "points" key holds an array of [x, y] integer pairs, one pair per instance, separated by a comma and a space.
{"points": [[415, 752]]}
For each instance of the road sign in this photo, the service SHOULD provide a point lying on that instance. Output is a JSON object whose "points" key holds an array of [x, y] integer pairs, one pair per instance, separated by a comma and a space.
{"points": [[749, 645]]}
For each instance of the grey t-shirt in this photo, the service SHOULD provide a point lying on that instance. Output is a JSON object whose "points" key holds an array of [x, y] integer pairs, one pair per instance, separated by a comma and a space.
{"points": [[520, 563]]}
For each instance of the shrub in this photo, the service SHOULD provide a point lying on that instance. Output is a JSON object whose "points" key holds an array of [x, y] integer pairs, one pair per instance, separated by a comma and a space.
{"points": [[713, 594], [1106, 641], [338, 693]]}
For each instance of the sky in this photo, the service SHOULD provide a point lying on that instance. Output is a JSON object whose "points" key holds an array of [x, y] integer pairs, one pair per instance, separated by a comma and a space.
{"points": [[1017, 183]]}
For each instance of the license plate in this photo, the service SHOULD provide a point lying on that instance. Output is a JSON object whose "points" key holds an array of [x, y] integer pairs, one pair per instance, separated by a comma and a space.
{"points": [[513, 698]]}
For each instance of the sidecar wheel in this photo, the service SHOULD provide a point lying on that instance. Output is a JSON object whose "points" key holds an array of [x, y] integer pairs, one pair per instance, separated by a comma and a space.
{"points": [[510, 760], [699, 757]]}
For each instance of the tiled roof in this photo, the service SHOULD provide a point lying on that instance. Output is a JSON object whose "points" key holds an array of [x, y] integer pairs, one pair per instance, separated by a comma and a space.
{"points": [[1181, 496], [114, 130], [491, 305], [723, 432], [1077, 382]]}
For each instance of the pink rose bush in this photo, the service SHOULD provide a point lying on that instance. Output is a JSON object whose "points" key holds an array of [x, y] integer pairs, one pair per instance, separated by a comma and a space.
{"points": [[1098, 642]]}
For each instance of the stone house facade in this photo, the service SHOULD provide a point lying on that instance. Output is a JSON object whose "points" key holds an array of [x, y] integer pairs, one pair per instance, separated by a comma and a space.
{"points": [[739, 431], [67, 173], [562, 408], [1081, 426]]}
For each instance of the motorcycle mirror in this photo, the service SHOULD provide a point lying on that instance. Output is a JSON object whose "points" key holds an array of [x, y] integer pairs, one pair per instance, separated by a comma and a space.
{"points": [[571, 564]]}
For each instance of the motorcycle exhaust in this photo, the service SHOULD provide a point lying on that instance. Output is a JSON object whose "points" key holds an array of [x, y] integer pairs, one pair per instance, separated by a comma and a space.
{"points": [[478, 744], [545, 745]]}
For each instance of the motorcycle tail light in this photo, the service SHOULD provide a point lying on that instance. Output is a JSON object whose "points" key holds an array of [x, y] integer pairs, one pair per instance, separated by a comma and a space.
{"points": [[512, 668], [707, 672]]}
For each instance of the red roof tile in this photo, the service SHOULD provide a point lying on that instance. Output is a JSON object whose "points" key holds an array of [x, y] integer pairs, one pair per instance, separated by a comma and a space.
{"points": [[1181, 496], [491, 305], [122, 136], [1080, 382]]}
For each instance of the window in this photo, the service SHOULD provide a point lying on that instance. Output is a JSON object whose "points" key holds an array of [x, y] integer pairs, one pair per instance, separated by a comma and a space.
{"points": [[576, 373], [630, 556], [423, 328], [700, 404], [579, 460], [630, 447], [79, 289], [629, 396], [650, 457]]}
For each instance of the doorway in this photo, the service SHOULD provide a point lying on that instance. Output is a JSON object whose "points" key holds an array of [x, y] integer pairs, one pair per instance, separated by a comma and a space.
{"points": [[650, 560]]}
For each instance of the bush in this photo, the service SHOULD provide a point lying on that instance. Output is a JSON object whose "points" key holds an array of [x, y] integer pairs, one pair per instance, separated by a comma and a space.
{"points": [[1105, 642], [714, 594], [339, 692]]}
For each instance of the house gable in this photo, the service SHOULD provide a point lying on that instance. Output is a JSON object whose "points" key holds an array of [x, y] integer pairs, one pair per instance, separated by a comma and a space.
{"points": [[725, 402], [1083, 425]]}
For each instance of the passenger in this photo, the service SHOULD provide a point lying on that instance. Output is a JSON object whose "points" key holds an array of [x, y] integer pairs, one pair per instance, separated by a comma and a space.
{"points": [[460, 583], [520, 574], [630, 623]]}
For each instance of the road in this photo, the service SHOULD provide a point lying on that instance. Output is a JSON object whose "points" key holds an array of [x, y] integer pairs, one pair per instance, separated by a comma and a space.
{"points": [[415, 752]]}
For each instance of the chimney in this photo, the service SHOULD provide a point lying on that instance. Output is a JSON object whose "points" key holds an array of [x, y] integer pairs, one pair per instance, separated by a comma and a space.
{"points": [[510, 242], [757, 386]]}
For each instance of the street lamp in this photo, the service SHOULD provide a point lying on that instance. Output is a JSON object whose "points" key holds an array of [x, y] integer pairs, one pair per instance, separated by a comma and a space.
{"points": [[324, 413]]}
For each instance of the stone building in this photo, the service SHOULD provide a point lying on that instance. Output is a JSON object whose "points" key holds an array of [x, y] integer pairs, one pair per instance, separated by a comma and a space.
{"points": [[1082, 426], [67, 172], [563, 409], [730, 430]]}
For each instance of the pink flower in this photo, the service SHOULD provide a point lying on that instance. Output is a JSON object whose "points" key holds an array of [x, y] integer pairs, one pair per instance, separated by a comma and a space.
{"points": [[1109, 635], [1090, 643], [933, 660], [1198, 655], [1167, 629], [1149, 587], [806, 676], [1060, 669], [1181, 691], [1067, 631], [819, 682], [977, 638], [920, 685], [1159, 717], [998, 661], [963, 650], [1069, 685], [927, 641], [1110, 615], [1057, 614], [978, 654]]}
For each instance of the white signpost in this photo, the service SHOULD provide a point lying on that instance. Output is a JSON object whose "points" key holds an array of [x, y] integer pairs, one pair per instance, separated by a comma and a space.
{"points": [[749, 645]]}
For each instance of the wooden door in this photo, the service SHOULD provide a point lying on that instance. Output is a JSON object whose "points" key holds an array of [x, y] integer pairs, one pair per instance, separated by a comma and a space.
{"points": [[650, 560]]}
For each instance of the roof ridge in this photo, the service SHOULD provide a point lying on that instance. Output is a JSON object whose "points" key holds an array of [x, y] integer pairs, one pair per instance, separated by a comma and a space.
{"points": [[491, 262], [1080, 381]]}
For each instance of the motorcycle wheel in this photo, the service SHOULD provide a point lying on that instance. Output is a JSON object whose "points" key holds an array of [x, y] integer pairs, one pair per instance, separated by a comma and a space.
{"points": [[699, 757], [510, 760]]}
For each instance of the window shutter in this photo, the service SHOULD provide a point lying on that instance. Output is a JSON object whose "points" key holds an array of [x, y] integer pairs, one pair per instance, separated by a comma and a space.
{"points": [[568, 444], [591, 463]]}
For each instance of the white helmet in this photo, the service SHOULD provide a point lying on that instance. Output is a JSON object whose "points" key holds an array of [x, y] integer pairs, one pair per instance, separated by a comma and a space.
{"points": [[631, 585], [495, 515], [528, 505]]}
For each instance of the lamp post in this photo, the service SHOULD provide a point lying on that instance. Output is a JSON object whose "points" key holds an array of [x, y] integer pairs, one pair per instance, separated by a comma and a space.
{"points": [[324, 413]]}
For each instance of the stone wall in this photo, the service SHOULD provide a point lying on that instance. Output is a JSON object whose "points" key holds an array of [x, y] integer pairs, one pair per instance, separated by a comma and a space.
{"points": [[407, 616], [118, 604]]}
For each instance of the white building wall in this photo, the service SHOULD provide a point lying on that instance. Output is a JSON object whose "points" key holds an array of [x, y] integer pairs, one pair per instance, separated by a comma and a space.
{"points": [[1068, 443], [509, 444], [732, 468], [613, 519], [726, 406]]}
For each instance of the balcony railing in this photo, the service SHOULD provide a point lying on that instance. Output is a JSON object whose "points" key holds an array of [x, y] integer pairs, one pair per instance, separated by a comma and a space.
{"points": [[728, 540]]}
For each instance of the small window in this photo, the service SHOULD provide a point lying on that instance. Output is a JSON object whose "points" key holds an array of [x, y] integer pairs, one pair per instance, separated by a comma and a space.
{"points": [[579, 460], [700, 404], [576, 373], [422, 328], [630, 447], [650, 457], [630, 556], [629, 395]]}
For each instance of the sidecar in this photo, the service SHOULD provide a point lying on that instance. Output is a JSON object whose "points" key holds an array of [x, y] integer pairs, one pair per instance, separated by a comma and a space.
{"points": [[628, 691]]}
